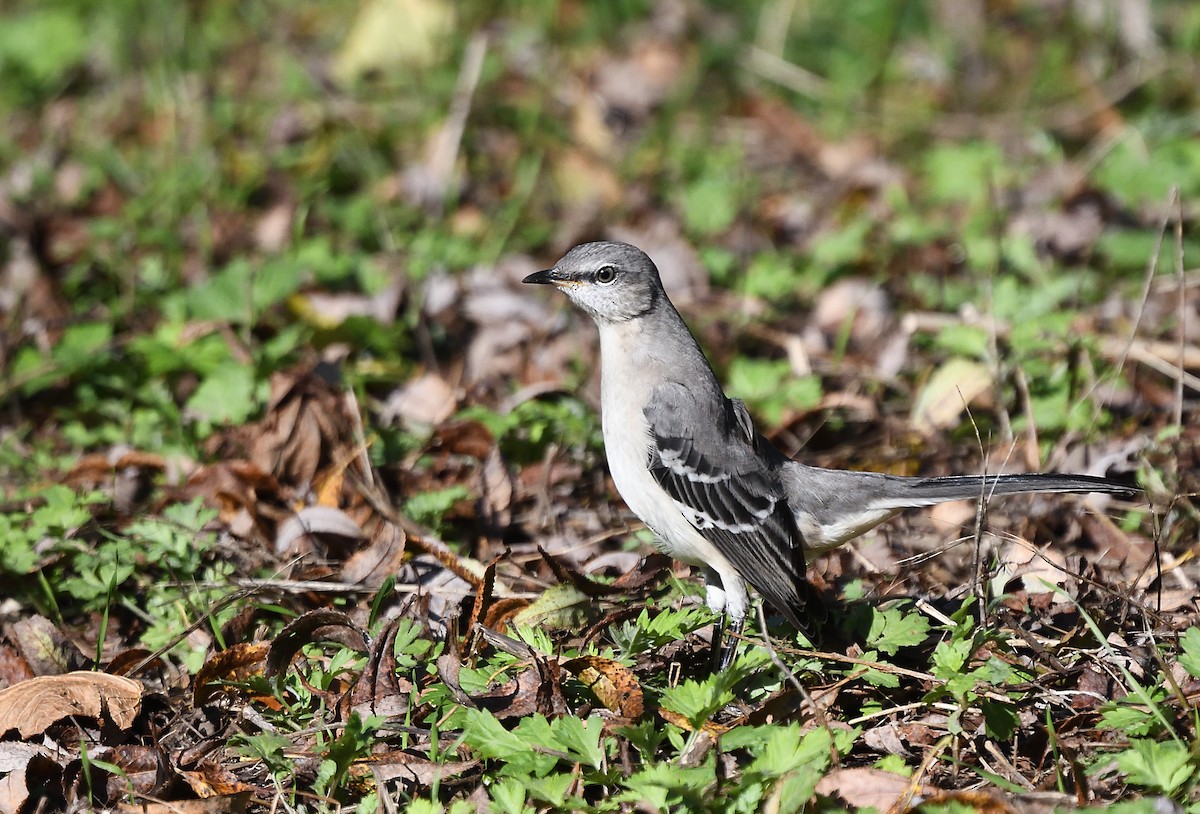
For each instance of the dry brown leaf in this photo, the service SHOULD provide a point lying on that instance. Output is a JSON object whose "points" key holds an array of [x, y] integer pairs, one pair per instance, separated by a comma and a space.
{"points": [[856, 305], [226, 804], [482, 603], [23, 765], [863, 787], [380, 690], [613, 684], [534, 690], [314, 523], [414, 771], [425, 401], [44, 647], [948, 392], [496, 490], [681, 721], [314, 626], [306, 428], [981, 802], [212, 781], [502, 611], [237, 663], [33, 705], [374, 563]]}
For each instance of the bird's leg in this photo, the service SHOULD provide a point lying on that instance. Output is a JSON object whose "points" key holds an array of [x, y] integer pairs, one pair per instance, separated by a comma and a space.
{"points": [[717, 652], [729, 646], [726, 595], [714, 597]]}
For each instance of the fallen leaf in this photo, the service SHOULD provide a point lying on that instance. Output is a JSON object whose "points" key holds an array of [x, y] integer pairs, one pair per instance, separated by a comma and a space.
{"points": [[388, 34], [315, 521], [865, 788], [23, 765], [380, 690], [33, 705], [613, 684], [948, 392], [44, 648], [424, 401], [380, 559], [234, 664], [314, 626], [559, 607]]}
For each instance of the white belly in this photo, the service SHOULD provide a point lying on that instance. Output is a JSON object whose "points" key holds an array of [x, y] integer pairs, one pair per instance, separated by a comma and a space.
{"points": [[627, 444]]}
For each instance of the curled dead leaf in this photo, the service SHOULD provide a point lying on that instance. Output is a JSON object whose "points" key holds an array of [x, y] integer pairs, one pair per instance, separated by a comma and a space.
{"points": [[380, 559], [318, 625], [380, 690], [32, 706], [316, 521], [613, 684], [237, 663]]}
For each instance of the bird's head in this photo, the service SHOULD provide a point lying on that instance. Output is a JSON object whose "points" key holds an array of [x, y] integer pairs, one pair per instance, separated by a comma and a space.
{"points": [[611, 282]]}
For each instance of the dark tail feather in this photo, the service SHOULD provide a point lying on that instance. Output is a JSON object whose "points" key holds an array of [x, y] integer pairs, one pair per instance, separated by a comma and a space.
{"points": [[962, 487]]}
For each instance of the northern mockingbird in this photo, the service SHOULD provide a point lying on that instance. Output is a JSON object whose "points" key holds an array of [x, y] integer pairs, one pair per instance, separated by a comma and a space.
{"points": [[690, 464]]}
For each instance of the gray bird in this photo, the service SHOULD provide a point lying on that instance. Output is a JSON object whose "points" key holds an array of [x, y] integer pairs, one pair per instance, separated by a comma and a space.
{"points": [[690, 464]]}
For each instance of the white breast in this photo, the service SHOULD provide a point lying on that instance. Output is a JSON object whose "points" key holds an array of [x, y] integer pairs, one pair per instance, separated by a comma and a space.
{"points": [[627, 446]]}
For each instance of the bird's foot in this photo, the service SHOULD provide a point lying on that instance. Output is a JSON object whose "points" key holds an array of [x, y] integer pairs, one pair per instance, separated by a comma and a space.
{"points": [[728, 647]]}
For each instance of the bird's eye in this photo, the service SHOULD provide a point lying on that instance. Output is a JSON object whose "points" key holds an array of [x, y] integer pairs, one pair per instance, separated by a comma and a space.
{"points": [[605, 275]]}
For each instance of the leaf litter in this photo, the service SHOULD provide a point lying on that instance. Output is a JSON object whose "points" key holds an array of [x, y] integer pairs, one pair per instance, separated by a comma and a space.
{"points": [[446, 582]]}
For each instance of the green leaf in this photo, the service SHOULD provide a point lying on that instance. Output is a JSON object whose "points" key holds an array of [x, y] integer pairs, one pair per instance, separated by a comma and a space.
{"points": [[1189, 651], [892, 629], [267, 747], [698, 700], [82, 344], [771, 276], [486, 735], [41, 46], [649, 632], [1164, 767], [664, 785], [878, 678], [226, 396], [770, 387], [1124, 716], [950, 657], [784, 750], [843, 246], [508, 796], [961, 172], [427, 508], [553, 789], [581, 739], [1138, 175], [710, 205], [1000, 720]]}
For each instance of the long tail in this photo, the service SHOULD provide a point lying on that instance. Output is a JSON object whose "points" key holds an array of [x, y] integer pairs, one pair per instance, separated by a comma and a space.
{"points": [[833, 506], [926, 491]]}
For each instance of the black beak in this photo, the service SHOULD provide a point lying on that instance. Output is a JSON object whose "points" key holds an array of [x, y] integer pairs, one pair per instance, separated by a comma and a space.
{"points": [[540, 277]]}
